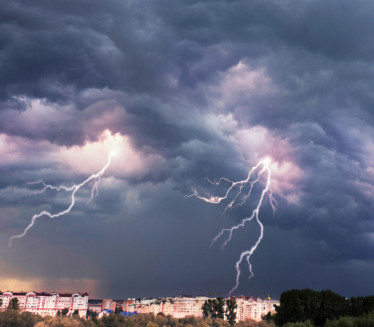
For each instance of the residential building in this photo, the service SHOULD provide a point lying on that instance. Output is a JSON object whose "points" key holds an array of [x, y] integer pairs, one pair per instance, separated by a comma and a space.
{"points": [[182, 306], [47, 304], [108, 304]]}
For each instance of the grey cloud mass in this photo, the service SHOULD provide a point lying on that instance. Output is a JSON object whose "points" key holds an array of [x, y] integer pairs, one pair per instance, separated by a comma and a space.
{"points": [[200, 89]]}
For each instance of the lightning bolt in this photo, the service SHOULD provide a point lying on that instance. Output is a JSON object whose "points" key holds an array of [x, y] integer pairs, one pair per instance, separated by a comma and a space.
{"points": [[240, 197], [96, 178]]}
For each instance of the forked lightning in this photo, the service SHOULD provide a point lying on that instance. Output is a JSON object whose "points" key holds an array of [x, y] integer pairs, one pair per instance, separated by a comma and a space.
{"points": [[240, 197], [96, 178]]}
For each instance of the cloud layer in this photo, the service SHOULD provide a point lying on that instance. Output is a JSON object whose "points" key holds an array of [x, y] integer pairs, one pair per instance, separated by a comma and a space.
{"points": [[188, 90]]}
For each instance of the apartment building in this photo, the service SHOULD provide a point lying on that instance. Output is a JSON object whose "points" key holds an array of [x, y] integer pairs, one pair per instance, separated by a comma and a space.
{"points": [[250, 308], [108, 304], [182, 306], [47, 304]]}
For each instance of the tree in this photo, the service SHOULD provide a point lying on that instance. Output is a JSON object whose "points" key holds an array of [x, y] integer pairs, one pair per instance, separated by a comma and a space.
{"points": [[218, 307], [13, 318], [13, 304], [213, 308], [361, 305], [269, 317], [76, 313], [306, 304], [64, 311], [205, 309], [231, 307]]}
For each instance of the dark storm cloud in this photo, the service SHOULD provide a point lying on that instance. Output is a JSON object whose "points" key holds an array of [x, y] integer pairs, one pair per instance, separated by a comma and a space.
{"points": [[159, 71]]}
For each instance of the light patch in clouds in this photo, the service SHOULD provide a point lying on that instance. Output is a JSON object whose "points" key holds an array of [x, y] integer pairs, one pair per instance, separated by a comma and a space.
{"points": [[241, 82], [126, 161], [257, 143], [285, 180], [84, 159], [39, 118], [16, 149]]}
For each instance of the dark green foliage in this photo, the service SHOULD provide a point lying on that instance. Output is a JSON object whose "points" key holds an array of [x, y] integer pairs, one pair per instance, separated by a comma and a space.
{"points": [[361, 305], [13, 318], [230, 311], [213, 308], [366, 320], [205, 309], [13, 304], [318, 307], [220, 302], [64, 311], [269, 317], [296, 306]]}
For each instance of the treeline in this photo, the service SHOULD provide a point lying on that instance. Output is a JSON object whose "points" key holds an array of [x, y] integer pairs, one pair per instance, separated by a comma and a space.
{"points": [[318, 308], [15, 319]]}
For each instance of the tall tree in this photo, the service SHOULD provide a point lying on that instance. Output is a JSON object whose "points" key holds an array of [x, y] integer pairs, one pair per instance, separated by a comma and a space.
{"points": [[214, 308], [13, 304], [231, 307], [361, 305], [64, 311], [218, 307], [206, 309], [306, 304]]}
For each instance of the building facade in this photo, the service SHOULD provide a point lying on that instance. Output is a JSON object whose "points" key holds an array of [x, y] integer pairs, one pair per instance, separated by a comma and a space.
{"points": [[47, 304], [250, 308], [108, 304], [180, 307]]}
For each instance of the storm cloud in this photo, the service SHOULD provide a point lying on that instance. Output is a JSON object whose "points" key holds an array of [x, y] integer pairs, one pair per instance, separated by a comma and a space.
{"points": [[187, 90]]}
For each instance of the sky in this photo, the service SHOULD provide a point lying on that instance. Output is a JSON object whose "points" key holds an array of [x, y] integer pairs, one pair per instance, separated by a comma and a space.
{"points": [[184, 91]]}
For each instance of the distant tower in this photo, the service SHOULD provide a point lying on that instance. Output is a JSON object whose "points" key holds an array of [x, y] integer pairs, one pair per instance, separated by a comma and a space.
{"points": [[268, 298]]}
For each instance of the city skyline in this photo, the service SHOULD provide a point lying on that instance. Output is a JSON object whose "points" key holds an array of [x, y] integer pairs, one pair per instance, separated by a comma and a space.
{"points": [[57, 304], [118, 120]]}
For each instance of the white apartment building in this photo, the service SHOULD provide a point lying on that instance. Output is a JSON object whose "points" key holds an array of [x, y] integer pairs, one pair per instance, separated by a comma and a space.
{"points": [[249, 308], [188, 306], [180, 307], [47, 304]]}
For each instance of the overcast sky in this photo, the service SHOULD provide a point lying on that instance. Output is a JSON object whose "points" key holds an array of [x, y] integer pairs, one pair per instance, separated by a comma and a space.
{"points": [[186, 90]]}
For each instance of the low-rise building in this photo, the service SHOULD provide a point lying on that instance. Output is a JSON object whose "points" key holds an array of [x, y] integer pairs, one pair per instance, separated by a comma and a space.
{"points": [[95, 305], [108, 304]]}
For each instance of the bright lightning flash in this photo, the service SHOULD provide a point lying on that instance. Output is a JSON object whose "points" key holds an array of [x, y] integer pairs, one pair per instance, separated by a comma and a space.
{"points": [[96, 178], [240, 197]]}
